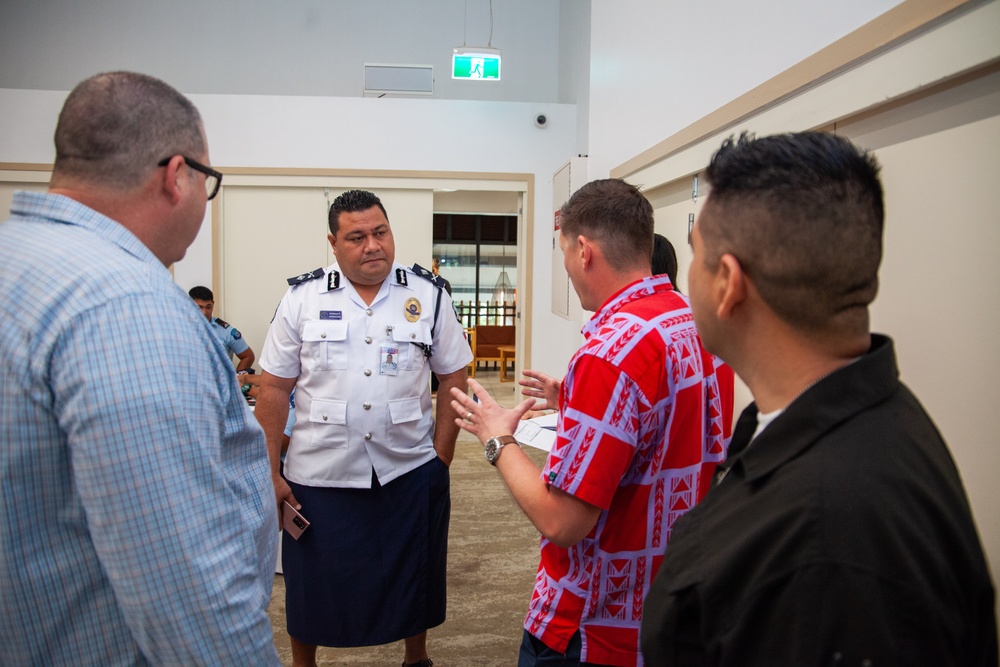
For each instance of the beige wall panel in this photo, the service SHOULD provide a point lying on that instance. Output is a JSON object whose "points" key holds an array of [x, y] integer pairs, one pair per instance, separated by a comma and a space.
{"points": [[268, 234], [12, 181], [940, 278], [7, 191], [562, 290], [477, 201], [672, 203]]}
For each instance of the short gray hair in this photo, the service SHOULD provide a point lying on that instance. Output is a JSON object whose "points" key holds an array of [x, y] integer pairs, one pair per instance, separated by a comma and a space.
{"points": [[115, 127]]}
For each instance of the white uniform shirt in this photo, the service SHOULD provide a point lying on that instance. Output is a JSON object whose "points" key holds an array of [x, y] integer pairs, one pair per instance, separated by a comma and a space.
{"points": [[351, 413]]}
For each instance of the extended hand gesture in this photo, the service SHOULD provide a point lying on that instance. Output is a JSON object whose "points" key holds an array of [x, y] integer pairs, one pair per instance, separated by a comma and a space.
{"points": [[538, 385], [485, 419]]}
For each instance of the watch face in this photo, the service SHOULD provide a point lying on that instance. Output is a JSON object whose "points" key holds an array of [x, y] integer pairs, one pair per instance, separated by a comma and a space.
{"points": [[492, 448]]}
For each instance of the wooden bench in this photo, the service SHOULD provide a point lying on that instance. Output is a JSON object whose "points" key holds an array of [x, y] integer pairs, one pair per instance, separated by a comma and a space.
{"points": [[489, 338]]}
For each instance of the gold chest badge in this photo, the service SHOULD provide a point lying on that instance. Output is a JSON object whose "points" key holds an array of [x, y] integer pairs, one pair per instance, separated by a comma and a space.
{"points": [[412, 310]]}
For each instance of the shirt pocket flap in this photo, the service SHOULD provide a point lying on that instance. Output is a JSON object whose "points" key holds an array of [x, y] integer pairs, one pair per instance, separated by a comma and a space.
{"points": [[318, 331], [412, 332], [325, 411], [404, 410]]}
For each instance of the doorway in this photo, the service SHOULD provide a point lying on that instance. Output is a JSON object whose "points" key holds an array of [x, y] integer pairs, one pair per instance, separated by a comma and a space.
{"points": [[272, 226]]}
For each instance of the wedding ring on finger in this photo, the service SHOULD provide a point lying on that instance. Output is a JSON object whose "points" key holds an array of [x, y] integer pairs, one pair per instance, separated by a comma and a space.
{"points": [[468, 417]]}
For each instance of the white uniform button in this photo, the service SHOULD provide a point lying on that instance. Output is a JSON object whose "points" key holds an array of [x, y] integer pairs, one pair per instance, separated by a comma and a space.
{"points": [[368, 436], [368, 372], [322, 335], [367, 406], [368, 339], [413, 335], [369, 312], [325, 417]]}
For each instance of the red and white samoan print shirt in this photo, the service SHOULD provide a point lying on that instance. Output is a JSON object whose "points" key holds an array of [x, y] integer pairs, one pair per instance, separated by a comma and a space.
{"points": [[643, 421]]}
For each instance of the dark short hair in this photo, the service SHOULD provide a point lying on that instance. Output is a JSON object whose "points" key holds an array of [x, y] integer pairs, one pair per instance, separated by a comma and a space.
{"points": [[664, 258], [617, 216], [115, 127], [803, 213], [201, 293], [352, 201]]}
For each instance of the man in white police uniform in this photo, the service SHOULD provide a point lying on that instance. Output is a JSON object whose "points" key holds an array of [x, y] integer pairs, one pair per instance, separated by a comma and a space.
{"points": [[367, 463]]}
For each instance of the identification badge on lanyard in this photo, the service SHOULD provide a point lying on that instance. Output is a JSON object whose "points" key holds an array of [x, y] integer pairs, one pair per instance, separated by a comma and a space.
{"points": [[388, 360]]}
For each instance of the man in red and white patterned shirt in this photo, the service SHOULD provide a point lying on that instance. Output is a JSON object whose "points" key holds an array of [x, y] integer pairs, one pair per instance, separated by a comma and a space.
{"points": [[644, 418]]}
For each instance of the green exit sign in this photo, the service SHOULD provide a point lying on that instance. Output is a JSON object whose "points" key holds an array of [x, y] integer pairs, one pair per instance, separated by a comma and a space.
{"points": [[475, 63]]}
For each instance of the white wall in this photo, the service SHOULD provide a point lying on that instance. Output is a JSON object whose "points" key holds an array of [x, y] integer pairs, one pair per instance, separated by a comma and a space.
{"points": [[196, 266], [656, 67], [336, 132], [574, 63]]}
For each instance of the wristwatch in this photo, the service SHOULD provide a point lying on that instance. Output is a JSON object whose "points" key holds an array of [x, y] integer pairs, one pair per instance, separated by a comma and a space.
{"points": [[494, 445]]}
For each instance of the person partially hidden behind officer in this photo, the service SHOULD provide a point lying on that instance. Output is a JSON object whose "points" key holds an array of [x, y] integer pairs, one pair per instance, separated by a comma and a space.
{"points": [[436, 270], [664, 258], [837, 532], [367, 463], [228, 335]]}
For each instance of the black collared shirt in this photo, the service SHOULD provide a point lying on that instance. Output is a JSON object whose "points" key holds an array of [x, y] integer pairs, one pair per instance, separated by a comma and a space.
{"points": [[842, 535]]}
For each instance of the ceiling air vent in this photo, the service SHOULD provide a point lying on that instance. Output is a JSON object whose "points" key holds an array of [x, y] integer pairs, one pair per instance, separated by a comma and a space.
{"points": [[398, 80]]}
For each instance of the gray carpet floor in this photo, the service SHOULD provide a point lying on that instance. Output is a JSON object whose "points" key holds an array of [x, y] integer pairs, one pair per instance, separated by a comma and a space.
{"points": [[492, 560]]}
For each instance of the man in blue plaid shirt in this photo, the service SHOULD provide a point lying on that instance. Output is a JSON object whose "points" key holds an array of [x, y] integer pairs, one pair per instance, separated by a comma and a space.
{"points": [[137, 522]]}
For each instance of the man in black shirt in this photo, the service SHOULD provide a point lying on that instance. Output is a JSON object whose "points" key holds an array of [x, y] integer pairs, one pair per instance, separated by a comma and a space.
{"points": [[838, 531]]}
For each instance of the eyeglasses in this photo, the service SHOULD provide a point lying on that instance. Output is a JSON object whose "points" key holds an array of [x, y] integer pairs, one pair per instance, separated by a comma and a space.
{"points": [[213, 178]]}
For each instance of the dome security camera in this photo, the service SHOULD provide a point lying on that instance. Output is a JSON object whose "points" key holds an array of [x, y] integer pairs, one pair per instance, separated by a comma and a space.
{"points": [[541, 120]]}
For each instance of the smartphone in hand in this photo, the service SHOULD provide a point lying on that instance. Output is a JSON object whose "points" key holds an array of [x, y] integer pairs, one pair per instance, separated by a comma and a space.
{"points": [[291, 521]]}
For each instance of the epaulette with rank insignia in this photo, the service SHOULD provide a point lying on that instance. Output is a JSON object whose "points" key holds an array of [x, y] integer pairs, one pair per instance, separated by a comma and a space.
{"points": [[222, 323], [438, 282], [306, 277], [428, 275]]}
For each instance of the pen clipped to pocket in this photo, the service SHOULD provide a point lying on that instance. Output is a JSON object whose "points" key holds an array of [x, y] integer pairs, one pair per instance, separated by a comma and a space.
{"points": [[291, 521]]}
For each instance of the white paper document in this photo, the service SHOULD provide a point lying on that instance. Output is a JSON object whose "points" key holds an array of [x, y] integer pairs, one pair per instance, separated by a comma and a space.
{"points": [[539, 432]]}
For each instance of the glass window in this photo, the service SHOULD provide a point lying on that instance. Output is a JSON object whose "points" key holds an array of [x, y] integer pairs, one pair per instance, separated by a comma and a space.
{"points": [[483, 280]]}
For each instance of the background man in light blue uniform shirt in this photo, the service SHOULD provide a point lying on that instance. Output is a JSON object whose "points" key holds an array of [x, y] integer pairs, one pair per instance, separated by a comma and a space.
{"points": [[227, 334]]}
